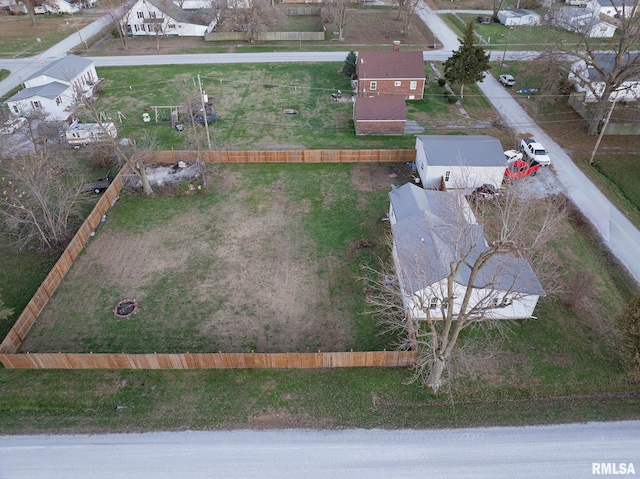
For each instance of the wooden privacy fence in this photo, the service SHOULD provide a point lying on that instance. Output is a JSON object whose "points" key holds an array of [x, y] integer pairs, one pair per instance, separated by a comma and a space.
{"points": [[209, 360], [287, 156], [14, 339]]}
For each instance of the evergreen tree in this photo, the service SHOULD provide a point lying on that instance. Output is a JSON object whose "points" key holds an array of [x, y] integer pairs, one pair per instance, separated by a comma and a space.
{"points": [[468, 63], [628, 323], [349, 66]]}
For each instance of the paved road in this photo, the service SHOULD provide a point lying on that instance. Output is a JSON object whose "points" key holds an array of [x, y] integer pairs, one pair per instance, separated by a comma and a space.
{"points": [[619, 234], [559, 451]]}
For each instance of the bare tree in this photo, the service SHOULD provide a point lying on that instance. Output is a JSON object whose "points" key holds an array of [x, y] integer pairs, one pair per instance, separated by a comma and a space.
{"points": [[495, 8], [252, 18], [447, 277], [30, 5], [117, 12], [39, 204], [604, 73], [406, 13], [338, 13]]}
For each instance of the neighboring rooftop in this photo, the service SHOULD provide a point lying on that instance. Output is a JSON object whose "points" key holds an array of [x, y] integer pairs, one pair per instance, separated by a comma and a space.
{"points": [[380, 107], [64, 69], [50, 90]]}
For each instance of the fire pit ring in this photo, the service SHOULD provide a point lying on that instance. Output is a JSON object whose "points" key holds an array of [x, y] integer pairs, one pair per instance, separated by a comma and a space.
{"points": [[126, 308]]}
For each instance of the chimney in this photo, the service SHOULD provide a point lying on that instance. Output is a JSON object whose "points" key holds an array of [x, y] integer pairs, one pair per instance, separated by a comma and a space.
{"points": [[396, 45]]}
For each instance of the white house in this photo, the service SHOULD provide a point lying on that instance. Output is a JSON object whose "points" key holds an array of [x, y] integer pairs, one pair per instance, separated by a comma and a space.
{"points": [[434, 229], [50, 6], [584, 21], [164, 17], [587, 79], [62, 6], [464, 161], [521, 17], [55, 89], [614, 8]]}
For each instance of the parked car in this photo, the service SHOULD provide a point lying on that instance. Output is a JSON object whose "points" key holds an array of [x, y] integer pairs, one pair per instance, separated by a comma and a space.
{"points": [[507, 80], [520, 168], [534, 151], [100, 185], [486, 191], [512, 155]]}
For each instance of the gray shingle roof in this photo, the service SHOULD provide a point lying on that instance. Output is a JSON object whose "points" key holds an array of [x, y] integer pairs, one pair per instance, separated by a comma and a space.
{"points": [[174, 11], [607, 62], [65, 69], [429, 235], [463, 150], [50, 90]]}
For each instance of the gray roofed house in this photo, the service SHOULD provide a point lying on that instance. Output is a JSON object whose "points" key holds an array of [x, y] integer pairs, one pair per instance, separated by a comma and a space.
{"points": [[459, 161], [588, 80], [53, 91], [431, 231], [63, 70], [50, 90]]}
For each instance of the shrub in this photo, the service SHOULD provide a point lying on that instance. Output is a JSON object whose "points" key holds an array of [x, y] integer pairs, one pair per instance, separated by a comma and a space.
{"points": [[102, 155], [452, 99], [442, 82]]}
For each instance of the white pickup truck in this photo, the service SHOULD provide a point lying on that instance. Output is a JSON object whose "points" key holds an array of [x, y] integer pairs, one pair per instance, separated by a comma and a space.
{"points": [[535, 151]]}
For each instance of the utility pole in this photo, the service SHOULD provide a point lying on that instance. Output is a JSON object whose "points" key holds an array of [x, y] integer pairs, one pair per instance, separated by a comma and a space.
{"points": [[604, 127], [204, 112]]}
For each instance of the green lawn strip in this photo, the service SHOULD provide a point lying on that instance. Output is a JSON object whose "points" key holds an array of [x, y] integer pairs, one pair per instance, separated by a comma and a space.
{"points": [[21, 276], [129, 401], [4, 74], [50, 29]]}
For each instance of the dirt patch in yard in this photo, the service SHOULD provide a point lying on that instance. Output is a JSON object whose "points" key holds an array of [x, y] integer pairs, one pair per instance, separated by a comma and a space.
{"points": [[236, 275]]}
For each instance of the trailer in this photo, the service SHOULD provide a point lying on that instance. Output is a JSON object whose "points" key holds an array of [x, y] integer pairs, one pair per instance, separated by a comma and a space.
{"points": [[85, 133]]}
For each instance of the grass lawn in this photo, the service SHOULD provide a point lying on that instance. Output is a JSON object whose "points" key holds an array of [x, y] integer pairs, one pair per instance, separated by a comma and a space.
{"points": [[61, 401], [562, 367], [249, 100], [19, 35], [266, 262]]}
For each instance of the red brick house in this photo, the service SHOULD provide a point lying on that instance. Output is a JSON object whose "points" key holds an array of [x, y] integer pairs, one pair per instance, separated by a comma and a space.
{"points": [[379, 115], [391, 72]]}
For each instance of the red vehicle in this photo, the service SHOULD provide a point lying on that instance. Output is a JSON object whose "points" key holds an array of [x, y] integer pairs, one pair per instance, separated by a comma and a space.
{"points": [[520, 168]]}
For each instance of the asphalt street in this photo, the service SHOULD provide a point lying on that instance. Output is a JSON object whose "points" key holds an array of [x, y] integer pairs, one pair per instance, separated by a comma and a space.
{"points": [[558, 451], [618, 234]]}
